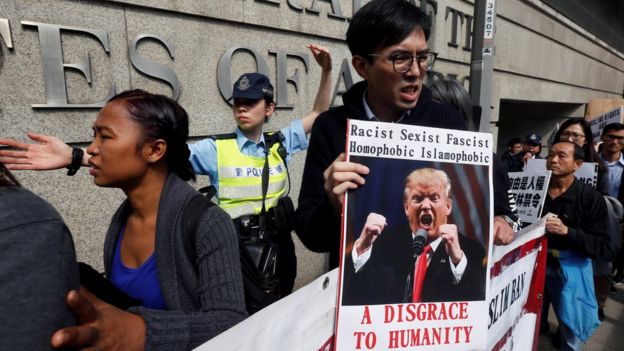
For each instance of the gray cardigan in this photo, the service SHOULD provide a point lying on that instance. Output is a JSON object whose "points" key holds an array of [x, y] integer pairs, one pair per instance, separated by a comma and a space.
{"points": [[203, 299]]}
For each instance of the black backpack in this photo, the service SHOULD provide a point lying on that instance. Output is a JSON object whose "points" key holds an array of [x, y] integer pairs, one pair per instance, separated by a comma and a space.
{"points": [[255, 297]]}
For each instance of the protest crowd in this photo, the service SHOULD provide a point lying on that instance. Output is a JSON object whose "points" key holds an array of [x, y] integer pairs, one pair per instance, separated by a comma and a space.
{"points": [[182, 266]]}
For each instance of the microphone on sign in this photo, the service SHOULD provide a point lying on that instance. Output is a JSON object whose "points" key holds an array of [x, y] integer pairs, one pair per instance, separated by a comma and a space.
{"points": [[418, 243]]}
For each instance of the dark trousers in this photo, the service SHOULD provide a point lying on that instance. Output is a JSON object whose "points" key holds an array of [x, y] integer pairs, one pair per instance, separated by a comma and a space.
{"points": [[287, 263], [601, 285]]}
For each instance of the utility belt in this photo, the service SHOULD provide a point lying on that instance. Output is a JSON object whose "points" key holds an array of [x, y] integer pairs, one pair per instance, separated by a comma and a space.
{"points": [[278, 219], [261, 235]]}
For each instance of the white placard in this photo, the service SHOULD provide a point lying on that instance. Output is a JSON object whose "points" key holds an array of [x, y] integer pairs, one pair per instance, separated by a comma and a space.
{"points": [[530, 190], [446, 318], [598, 123]]}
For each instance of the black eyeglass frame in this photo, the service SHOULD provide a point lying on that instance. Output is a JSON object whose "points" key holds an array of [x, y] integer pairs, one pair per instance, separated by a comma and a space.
{"points": [[430, 57]]}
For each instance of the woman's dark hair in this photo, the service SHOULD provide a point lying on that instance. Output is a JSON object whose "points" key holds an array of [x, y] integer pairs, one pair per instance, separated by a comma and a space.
{"points": [[451, 92], [160, 117], [589, 153], [383, 23], [268, 95], [6, 178]]}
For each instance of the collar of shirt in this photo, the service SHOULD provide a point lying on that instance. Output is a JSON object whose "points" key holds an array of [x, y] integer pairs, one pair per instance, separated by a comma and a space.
{"points": [[244, 143], [570, 194], [620, 161], [371, 116]]}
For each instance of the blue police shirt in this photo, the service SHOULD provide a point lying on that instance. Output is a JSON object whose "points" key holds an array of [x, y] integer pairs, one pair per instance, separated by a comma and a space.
{"points": [[204, 152]]}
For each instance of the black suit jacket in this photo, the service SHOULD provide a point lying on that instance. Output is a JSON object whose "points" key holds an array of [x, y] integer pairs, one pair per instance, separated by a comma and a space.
{"points": [[383, 279]]}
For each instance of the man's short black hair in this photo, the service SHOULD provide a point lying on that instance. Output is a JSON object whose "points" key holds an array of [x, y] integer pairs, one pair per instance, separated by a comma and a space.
{"points": [[382, 23], [514, 141], [616, 127], [578, 151]]}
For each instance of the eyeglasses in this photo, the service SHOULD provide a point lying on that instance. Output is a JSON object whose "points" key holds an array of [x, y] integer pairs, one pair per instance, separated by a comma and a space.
{"points": [[611, 137], [402, 62], [572, 135]]}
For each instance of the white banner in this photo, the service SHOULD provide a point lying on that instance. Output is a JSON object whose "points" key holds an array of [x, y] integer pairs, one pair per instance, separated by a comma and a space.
{"points": [[304, 321], [516, 286]]}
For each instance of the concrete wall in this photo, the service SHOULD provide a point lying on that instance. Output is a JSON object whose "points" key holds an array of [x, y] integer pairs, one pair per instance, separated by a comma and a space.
{"points": [[540, 57]]}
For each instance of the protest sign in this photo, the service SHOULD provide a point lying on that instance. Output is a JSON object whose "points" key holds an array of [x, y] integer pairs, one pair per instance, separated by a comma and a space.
{"points": [[383, 304], [597, 123], [530, 191], [517, 278], [304, 320], [588, 173]]}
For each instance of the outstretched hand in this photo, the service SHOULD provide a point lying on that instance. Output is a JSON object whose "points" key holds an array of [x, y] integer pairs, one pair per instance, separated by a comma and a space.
{"points": [[47, 152], [322, 56], [100, 326], [341, 176]]}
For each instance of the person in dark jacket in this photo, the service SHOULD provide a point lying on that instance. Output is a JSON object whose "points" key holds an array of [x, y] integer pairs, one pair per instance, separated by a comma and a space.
{"points": [[577, 230], [37, 268], [511, 157], [388, 43]]}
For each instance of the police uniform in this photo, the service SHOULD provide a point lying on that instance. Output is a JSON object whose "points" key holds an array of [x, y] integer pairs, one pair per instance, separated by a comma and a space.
{"points": [[234, 165]]}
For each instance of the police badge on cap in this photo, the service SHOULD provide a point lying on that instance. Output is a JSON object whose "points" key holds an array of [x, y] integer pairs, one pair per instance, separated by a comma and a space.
{"points": [[243, 83], [252, 86]]}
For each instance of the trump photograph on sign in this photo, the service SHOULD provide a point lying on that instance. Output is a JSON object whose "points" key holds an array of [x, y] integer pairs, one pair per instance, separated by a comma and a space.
{"points": [[418, 231]]}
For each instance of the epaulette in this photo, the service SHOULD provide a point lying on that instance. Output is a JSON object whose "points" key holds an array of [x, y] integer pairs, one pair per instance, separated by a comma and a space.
{"points": [[223, 136]]}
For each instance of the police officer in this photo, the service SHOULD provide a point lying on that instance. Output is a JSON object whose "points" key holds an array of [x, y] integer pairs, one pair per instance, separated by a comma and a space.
{"points": [[236, 163]]}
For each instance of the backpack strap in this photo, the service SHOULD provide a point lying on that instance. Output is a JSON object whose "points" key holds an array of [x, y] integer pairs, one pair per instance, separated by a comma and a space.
{"points": [[255, 297], [277, 137], [271, 138], [193, 212]]}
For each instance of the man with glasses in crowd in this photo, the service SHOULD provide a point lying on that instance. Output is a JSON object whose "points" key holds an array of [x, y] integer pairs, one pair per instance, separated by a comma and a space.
{"points": [[388, 43], [613, 143]]}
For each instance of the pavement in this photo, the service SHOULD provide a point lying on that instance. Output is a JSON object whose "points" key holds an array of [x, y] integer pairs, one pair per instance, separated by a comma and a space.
{"points": [[610, 334]]}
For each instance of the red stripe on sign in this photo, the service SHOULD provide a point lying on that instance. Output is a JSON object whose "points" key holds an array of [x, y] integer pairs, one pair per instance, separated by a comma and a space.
{"points": [[513, 256]]}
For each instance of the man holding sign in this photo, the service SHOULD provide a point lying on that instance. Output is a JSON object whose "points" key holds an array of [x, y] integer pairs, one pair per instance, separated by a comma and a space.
{"points": [[388, 43], [432, 262]]}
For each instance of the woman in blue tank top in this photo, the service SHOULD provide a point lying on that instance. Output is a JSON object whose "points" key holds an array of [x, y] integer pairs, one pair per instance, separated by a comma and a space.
{"points": [[139, 146]]}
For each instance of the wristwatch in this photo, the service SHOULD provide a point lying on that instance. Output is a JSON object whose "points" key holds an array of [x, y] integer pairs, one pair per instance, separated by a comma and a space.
{"points": [[76, 162], [515, 225]]}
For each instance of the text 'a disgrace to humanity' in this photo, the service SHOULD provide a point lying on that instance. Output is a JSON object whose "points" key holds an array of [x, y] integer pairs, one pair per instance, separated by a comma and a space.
{"points": [[401, 338], [449, 146]]}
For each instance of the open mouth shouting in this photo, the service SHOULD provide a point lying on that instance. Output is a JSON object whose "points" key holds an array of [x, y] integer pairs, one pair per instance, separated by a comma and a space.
{"points": [[410, 93], [426, 221]]}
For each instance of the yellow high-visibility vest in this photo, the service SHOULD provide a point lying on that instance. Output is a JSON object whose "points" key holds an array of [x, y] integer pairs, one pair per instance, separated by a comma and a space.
{"points": [[240, 179]]}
